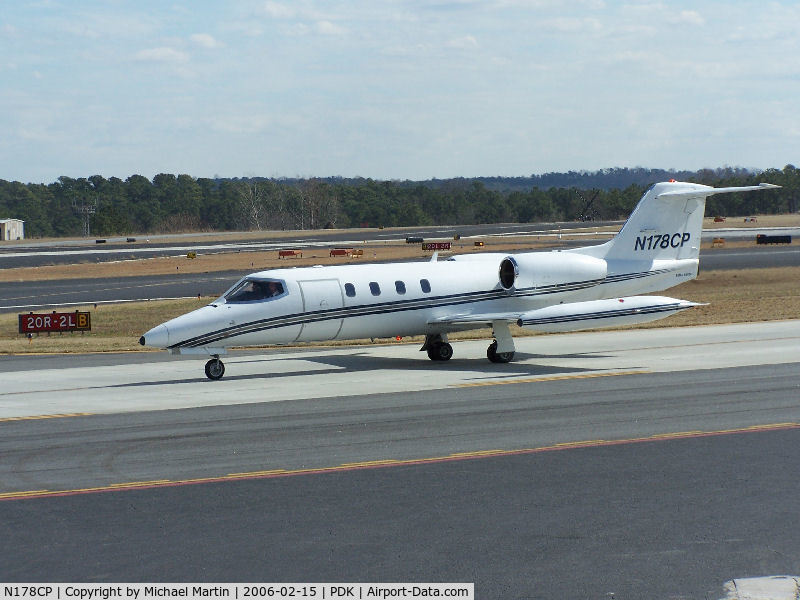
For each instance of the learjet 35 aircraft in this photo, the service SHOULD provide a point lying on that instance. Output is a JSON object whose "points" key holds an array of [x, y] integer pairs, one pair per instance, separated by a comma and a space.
{"points": [[561, 290]]}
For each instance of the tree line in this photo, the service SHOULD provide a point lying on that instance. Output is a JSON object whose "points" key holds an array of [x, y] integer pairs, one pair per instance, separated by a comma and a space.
{"points": [[170, 203]]}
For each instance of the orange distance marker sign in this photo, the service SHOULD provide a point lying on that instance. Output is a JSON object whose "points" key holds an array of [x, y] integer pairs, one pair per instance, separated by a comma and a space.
{"points": [[55, 321]]}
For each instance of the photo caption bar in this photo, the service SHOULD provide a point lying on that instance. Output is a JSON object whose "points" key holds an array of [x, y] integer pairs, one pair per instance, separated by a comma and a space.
{"points": [[235, 591]]}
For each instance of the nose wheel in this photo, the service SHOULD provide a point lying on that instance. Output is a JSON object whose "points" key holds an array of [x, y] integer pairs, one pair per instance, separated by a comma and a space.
{"points": [[215, 368]]}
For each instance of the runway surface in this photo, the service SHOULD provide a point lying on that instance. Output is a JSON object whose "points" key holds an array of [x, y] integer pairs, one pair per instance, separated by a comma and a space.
{"points": [[647, 463], [32, 253]]}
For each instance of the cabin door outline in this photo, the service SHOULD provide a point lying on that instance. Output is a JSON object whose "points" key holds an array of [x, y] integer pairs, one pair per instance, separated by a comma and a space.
{"points": [[320, 295]]}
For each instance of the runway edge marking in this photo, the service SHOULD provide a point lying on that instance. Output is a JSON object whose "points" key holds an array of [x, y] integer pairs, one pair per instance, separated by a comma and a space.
{"points": [[385, 464]]}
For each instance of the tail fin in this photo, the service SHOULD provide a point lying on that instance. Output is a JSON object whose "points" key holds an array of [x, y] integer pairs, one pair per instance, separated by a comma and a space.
{"points": [[666, 224]]}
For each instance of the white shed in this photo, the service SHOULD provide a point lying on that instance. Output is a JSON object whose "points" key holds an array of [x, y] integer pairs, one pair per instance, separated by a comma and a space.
{"points": [[12, 229]]}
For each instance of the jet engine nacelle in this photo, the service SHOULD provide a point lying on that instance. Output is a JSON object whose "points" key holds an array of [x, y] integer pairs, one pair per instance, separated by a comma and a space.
{"points": [[541, 270]]}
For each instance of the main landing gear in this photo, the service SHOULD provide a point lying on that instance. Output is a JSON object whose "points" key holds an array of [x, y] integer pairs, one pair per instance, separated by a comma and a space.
{"points": [[215, 368], [498, 357], [438, 349]]}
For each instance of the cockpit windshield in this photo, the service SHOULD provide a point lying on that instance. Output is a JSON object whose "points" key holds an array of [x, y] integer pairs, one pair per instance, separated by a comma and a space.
{"points": [[255, 290]]}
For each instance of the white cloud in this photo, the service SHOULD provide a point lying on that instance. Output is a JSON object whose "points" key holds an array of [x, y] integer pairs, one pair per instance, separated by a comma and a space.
{"points": [[573, 25], [299, 29], [463, 43], [689, 17], [205, 40], [244, 122], [295, 10], [328, 28], [277, 10], [164, 54]]}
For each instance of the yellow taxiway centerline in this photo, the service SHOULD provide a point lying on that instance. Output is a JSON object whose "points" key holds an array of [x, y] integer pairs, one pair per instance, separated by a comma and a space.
{"points": [[37, 417], [378, 464], [548, 378]]}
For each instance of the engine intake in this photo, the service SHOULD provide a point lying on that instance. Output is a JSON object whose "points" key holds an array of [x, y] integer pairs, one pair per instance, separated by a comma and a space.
{"points": [[509, 271]]}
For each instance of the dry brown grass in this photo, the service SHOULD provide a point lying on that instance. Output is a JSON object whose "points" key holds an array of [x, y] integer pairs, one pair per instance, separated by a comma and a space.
{"points": [[792, 220], [115, 328], [739, 297]]}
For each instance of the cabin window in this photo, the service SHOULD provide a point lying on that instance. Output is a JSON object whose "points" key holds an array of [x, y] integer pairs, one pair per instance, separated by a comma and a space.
{"points": [[400, 287], [255, 290], [374, 288], [425, 285], [350, 290]]}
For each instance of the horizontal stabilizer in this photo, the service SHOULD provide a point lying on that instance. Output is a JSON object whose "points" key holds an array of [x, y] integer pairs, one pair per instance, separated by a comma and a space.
{"points": [[709, 191]]}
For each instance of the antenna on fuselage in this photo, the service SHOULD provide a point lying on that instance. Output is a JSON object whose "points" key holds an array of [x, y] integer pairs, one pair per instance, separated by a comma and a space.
{"points": [[435, 256]]}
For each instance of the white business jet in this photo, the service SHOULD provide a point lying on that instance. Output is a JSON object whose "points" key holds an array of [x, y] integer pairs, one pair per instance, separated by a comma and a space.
{"points": [[562, 290]]}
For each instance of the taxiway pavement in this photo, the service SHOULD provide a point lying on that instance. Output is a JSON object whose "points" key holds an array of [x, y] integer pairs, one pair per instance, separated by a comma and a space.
{"points": [[648, 463], [651, 379], [652, 463]]}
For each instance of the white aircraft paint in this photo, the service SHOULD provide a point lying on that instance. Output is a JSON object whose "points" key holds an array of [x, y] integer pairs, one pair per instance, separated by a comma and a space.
{"points": [[582, 288]]}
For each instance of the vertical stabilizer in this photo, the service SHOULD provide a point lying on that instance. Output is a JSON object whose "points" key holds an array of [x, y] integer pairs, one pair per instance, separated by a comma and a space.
{"points": [[666, 224]]}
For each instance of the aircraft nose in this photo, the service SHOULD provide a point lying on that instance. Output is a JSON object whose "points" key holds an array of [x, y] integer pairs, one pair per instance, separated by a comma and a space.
{"points": [[157, 337]]}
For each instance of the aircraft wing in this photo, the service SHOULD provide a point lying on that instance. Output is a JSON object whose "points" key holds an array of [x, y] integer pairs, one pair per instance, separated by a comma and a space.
{"points": [[611, 312]]}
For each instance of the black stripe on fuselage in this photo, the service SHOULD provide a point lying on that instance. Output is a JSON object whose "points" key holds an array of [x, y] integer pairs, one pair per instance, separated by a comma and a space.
{"points": [[337, 313], [210, 338]]}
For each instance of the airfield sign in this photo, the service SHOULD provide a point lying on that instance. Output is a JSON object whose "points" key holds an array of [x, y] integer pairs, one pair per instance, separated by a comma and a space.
{"points": [[55, 321]]}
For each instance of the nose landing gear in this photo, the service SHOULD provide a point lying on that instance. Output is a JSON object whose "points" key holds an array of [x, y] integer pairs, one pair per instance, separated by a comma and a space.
{"points": [[215, 368]]}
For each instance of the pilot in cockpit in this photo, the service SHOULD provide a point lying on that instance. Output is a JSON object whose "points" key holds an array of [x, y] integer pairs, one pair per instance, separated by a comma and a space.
{"points": [[251, 290]]}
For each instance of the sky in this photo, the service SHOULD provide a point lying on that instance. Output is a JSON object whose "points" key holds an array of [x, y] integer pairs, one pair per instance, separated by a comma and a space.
{"points": [[394, 89]]}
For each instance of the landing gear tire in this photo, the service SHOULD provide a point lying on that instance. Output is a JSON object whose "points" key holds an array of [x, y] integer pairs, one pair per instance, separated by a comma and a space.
{"points": [[498, 357], [440, 351], [215, 369]]}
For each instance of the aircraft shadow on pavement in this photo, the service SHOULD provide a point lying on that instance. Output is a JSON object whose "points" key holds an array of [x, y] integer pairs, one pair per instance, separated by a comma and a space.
{"points": [[363, 362]]}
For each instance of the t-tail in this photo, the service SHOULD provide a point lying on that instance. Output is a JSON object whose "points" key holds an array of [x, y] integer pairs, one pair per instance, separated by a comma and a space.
{"points": [[666, 224], [659, 244]]}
